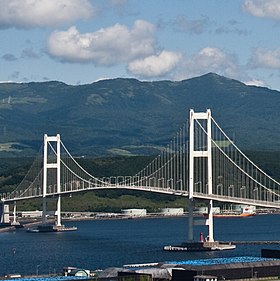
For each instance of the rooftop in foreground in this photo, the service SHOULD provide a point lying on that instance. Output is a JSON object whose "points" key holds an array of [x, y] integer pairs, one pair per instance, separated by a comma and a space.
{"points": [[217, 261]]}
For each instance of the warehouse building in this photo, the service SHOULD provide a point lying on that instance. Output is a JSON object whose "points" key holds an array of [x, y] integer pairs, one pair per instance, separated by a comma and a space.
{"points": [[227, 268], [212, 269]]}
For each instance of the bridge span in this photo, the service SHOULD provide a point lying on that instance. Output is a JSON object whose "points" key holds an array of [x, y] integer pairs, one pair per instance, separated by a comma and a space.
{"points": [[200, 163]]}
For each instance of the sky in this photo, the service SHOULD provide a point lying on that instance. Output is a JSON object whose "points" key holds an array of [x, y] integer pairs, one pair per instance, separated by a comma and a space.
{"points": [[83, 41]]}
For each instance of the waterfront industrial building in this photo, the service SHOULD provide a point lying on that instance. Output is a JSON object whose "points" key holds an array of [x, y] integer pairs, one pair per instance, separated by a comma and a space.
{"points": [[172, 211], [236, 268], [228, 269], [134, 212]]}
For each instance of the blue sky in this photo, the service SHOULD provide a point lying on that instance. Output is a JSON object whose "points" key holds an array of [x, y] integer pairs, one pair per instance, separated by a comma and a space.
{"points": [[82, 41]]}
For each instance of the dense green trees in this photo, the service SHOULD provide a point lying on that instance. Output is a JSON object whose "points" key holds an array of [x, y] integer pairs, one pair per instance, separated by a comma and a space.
{"points": [[12, 171]]}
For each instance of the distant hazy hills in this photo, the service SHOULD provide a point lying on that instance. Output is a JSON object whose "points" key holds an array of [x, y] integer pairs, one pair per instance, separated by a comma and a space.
{"points": [[122, 116]]}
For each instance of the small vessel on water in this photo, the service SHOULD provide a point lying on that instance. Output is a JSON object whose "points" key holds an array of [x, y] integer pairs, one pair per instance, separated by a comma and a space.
{"points": [[246, 211], [234, 215]]}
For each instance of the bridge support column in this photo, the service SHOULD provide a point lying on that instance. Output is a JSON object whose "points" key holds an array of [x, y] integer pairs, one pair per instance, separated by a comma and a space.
{"points": [[191, 222], [15, 213], [4, 213], [58, 211], [45, 179], [44, 211], [209, 222], [201, 152], [58, 186], [56, 166]]}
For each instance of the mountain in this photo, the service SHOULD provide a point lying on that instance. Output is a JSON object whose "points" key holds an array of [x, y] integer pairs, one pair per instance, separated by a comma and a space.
{"points": [[129, 116]]}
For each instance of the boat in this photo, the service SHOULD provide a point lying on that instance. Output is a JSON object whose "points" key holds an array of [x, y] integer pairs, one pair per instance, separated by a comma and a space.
{"points": [[234, 215], [231, 215]]}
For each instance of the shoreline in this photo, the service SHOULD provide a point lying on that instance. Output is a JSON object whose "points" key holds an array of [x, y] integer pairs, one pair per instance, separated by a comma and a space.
{"points": [[26, 223], [30, 223]]}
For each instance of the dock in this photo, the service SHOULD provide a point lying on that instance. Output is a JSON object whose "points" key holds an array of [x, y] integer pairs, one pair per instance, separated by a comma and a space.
{"points": [[201, 246], [275, 242], [51, 228]]}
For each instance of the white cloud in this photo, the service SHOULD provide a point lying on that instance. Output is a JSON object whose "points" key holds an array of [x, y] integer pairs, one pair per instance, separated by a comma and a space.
{"points": [[264, 58], [156, 65], [263, 8], [209, 59], [42, 13], [255, 82], [107, 46]]}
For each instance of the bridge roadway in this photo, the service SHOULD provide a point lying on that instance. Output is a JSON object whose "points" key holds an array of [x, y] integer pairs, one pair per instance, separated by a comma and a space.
{"points": [[169, 191], [186, 168]]}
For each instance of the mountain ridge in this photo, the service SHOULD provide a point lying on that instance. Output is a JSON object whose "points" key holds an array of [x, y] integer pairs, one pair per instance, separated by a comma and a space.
{"points": [[112, 115]]}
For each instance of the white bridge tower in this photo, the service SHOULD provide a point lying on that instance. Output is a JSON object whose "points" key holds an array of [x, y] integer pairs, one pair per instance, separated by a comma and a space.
{"points": [[200, 152], [46, 167]]}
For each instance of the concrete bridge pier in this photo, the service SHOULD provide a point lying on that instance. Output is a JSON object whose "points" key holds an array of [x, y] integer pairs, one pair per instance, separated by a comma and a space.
{"points": [[4, 213], [190, 220], [209, 222], [15, 213]]}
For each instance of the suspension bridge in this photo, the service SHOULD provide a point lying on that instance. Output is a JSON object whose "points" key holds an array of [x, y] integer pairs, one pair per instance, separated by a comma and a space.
{"points": [[200, 162]]}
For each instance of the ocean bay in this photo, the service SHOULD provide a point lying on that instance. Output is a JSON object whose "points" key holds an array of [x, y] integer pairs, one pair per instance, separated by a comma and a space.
{"points": [[115, 242]]}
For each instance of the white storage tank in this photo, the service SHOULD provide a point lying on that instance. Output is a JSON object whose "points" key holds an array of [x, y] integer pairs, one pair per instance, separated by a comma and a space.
{"points": [[31, 214], [201, 210], [204, 210], [172, 211], [134, 212]]}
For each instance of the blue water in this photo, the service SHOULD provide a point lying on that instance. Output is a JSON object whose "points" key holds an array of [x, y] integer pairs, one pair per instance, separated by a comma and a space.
{"points": [[112, 243]]}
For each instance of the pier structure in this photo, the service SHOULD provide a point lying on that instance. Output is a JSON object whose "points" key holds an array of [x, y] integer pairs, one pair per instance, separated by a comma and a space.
{"points": [[4, 213]]}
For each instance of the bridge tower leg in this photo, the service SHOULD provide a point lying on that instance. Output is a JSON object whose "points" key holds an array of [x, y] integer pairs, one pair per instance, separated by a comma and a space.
{"points": [[1, 212], [4, 213], [200, 153], [56, 166], [191, 222], [15, 213]]}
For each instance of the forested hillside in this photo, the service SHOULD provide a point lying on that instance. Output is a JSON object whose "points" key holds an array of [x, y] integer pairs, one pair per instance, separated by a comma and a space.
{"points": [[12, 171], [130, 117]]}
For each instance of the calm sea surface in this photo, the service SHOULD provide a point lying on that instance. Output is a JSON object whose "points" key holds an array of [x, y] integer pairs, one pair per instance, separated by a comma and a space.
{"points": [[112, 243]]}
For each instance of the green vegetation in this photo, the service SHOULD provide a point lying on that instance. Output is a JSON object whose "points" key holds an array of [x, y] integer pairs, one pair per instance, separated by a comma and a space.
{"points": [[12, 171], [128, 117], [115, 200]]}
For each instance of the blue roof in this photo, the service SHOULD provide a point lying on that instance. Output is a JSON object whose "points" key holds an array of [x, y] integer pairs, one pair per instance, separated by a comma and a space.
{"points": [[219, 261]]}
